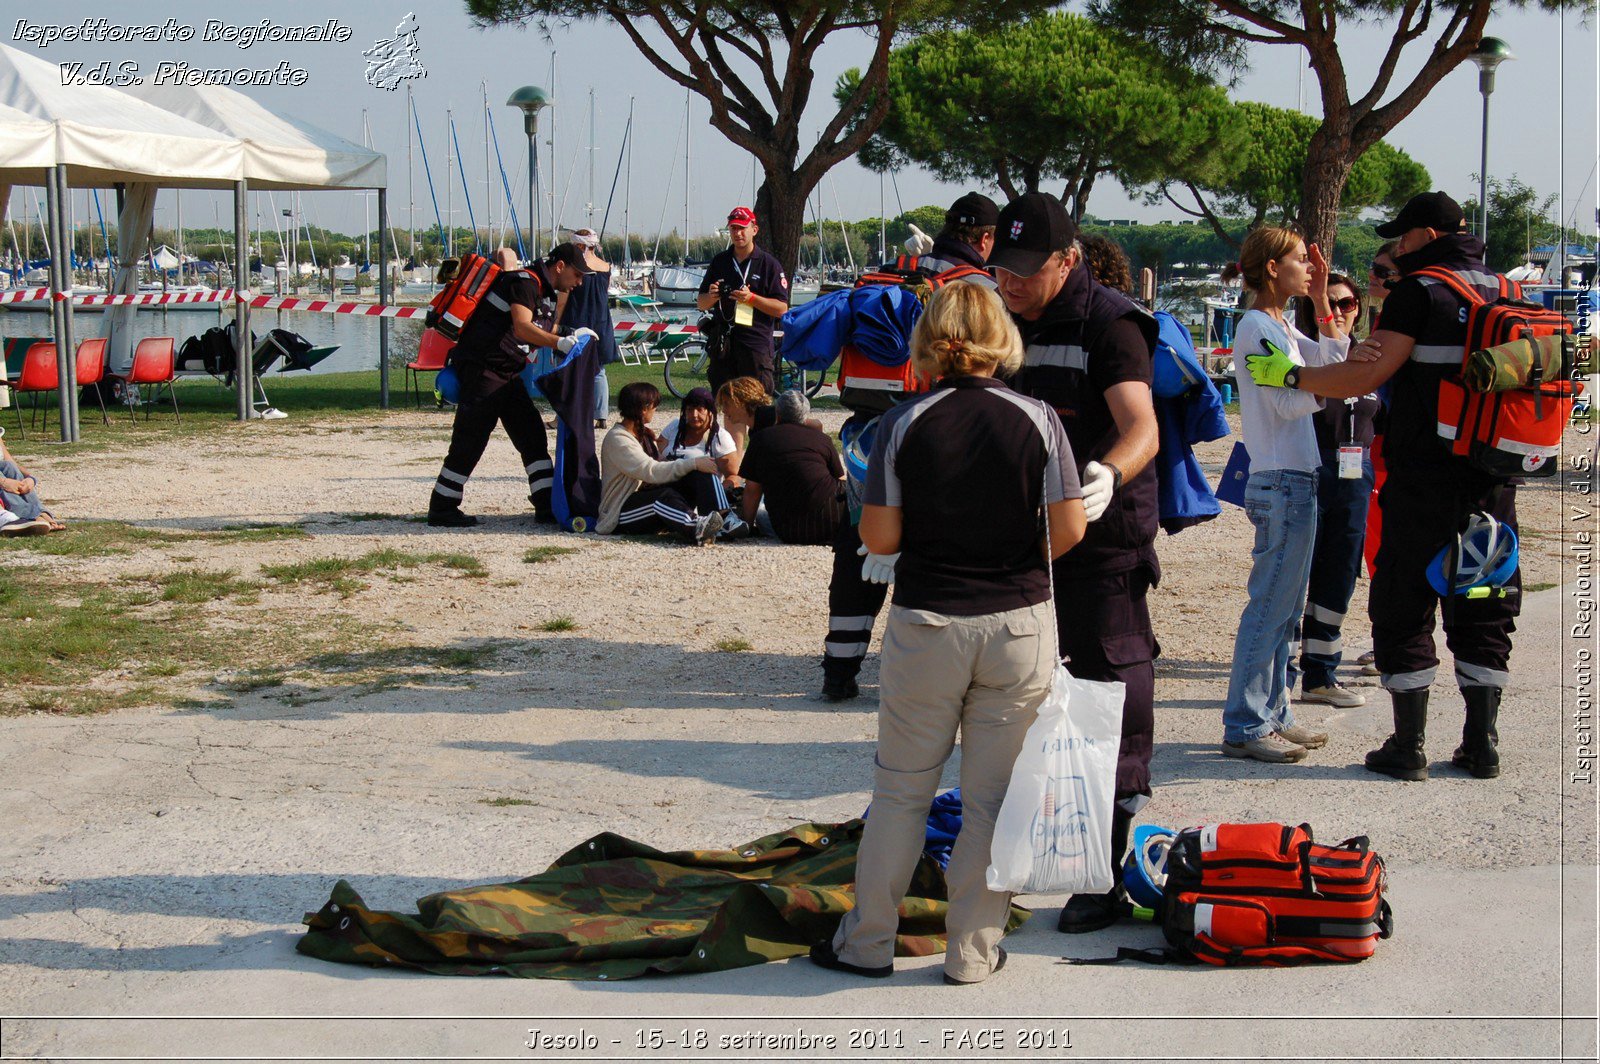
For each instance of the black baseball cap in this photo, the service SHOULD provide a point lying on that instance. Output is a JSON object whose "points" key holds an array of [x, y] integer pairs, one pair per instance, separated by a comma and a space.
{"points": [[1028, 231], [569, 253], [1427, 210], [973, 210]]}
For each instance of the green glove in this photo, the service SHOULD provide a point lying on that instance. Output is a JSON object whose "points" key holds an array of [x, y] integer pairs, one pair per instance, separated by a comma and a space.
{"points": [[1274, 369]]}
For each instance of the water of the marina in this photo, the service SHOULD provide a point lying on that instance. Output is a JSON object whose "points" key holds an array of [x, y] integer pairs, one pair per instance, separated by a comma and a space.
{"points": [[357, 337]]}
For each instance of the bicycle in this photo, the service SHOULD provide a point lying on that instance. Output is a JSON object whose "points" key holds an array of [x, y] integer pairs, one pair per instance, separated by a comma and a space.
{"points": [[687, 367]]}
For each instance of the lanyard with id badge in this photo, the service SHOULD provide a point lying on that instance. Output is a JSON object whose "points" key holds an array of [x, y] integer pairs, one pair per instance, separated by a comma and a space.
{"points": [[744, 313], [1351, 453]]}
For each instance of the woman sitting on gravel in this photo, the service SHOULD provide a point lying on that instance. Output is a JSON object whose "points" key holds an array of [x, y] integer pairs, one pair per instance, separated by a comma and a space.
{"points": [[695, 432], [20, 511], [639, 491], [745, 409]]}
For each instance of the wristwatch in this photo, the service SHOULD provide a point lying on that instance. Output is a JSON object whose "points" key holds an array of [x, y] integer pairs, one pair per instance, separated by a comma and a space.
{"points": [[1116, 477], [1291, 379]]}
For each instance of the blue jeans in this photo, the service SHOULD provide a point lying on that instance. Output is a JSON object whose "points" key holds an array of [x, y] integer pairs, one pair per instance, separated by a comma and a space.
{"points": [[602, 395], [26, 507], [1335, 565], [1282, 505]]}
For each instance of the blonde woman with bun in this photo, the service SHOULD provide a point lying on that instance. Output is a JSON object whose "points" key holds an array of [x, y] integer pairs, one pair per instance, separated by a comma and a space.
{"points": [[958, 485]]}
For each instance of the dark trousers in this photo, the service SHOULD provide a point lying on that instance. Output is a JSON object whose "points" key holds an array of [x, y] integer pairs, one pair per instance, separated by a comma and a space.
{"points": [[1335, 563], [853, 604], [1103, 620], [704, 490], [1421, 514], [740, 362], [656, 507], [476, 417]]}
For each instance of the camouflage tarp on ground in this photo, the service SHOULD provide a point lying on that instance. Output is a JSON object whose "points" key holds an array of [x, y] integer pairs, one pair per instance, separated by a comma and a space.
{"points": [[612, 908]]}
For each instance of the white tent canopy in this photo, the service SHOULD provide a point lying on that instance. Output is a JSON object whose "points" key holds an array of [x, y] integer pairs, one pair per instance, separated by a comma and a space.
{"points": [[279, 152], [104, 136]]}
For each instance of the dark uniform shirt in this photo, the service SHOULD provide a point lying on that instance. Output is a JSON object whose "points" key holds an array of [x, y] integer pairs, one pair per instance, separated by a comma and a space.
{"points": [[1436, 319], [765, 277], [799, 472], [965, 464], [489, 352], [1087, 340], [1345, 423]]}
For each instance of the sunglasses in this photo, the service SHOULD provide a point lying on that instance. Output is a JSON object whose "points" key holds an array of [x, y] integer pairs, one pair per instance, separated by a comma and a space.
{"points": [[1385, 273], [1345, 305]]}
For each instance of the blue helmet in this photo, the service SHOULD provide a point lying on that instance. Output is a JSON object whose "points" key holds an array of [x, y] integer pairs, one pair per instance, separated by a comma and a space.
{"points": [[1486, 556], [1144, 873]]}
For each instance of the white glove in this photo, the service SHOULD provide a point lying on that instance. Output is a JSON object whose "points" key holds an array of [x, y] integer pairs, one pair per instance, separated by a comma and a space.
{"points": [[567, 343], [1098, 483], [918, 243], [878, 568]]}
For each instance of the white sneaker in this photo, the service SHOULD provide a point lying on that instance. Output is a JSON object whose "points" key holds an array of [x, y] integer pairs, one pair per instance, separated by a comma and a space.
{"points": [[1335, 694], [1366, 661]]}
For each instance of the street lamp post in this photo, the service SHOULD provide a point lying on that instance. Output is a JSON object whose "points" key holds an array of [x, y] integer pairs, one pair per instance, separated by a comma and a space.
{"points": [[1489, 54], [531, 99]]}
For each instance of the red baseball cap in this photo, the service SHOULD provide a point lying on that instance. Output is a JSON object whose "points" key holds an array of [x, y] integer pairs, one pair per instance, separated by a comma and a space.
{"points": [[742, 216]]}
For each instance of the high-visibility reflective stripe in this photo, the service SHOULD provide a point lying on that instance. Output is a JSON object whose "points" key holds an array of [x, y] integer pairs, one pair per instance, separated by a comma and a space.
{"points": [[1474, 277], [495, 301], [1470, 675], [1408, 681], [1324, 614], [450, 474], [1505, 443], [1326, 647], [540, 484], [1064, 356], [1438, 354], [832, 649], [439, 488], [1446, 430], [534, 467], [850, 624]]}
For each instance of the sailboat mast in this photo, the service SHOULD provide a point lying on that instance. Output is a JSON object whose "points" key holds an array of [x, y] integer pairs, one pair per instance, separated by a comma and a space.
{"points": [[688, 133], [554, 173], [589, 212], [449, 196], [627, 195], [411, 180], [488, 184], [366, 204]]}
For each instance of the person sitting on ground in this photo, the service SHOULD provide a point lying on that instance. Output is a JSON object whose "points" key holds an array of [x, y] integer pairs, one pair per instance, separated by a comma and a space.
{"points": [[794, 467], [20, 510], [639, 491], [693, 433], [745, 409]]}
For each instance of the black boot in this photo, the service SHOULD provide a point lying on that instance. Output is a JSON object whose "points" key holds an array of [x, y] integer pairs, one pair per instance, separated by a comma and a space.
{"points": [[1402, 755], [1479, 751], [839, 679], [1091, 912]]}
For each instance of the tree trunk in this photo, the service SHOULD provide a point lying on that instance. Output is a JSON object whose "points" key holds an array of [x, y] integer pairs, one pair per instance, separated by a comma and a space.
{"points": [[1328, 164], [781, 213]]}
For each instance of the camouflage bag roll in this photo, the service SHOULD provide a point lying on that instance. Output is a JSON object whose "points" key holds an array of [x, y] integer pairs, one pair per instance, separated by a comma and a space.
{"points": [[612, 908], [1518, 364]]}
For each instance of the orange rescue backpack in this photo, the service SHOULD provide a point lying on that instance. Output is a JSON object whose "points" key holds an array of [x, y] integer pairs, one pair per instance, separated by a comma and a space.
{"points": [[458, 300], [1508, 431]]}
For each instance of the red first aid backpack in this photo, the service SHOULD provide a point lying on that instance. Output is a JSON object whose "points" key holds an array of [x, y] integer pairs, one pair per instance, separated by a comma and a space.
{"points": [[865, 384], [1515, 432], [1267, 895], [457, 301]]}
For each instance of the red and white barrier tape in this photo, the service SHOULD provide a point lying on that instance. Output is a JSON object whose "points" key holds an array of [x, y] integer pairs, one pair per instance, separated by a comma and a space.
{"points": [[328, 306], [655, 327], [22, 294], [145, 299]]}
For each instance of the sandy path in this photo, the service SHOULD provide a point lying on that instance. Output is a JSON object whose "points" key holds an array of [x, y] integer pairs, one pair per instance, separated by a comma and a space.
{"points": [[152, 841]]}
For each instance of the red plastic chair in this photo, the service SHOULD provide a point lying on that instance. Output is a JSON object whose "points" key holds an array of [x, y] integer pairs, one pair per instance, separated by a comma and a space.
{"points": [[38, 375], [153, 363], [92, 370], [431, 355]]}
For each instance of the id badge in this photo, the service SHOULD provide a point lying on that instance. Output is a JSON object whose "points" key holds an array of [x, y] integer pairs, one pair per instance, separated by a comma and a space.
{"points": [[1350, 462], [744, 314]]}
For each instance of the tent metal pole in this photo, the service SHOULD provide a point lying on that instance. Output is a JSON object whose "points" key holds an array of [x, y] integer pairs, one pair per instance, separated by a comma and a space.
{"points": [[70, 377], [241, 305], [58, 327], [383, 301]]}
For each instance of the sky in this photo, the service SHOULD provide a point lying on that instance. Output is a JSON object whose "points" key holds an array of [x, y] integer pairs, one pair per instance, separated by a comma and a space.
{"points": [[1542, 125]]}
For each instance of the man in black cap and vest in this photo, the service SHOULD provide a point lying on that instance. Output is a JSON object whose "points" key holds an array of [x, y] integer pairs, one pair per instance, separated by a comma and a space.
{"points": [[857, 589], [515, 315], [746, 289], [1087, 351], [1428, 493]]}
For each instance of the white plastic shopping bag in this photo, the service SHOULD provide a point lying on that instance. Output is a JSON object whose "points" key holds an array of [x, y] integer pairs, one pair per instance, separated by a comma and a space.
{"points": [[1053, 834]]}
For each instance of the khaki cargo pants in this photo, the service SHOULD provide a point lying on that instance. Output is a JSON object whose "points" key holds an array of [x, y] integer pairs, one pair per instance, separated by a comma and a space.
{"points": [[986, 676]]}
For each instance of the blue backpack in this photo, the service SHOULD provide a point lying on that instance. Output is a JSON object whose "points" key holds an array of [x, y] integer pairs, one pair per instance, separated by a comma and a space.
{"points": [[1177, 368]]}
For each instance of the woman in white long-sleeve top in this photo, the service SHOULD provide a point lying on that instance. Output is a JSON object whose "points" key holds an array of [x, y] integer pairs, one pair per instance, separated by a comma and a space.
{"points": [[637, 493], [1280, 497]]}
